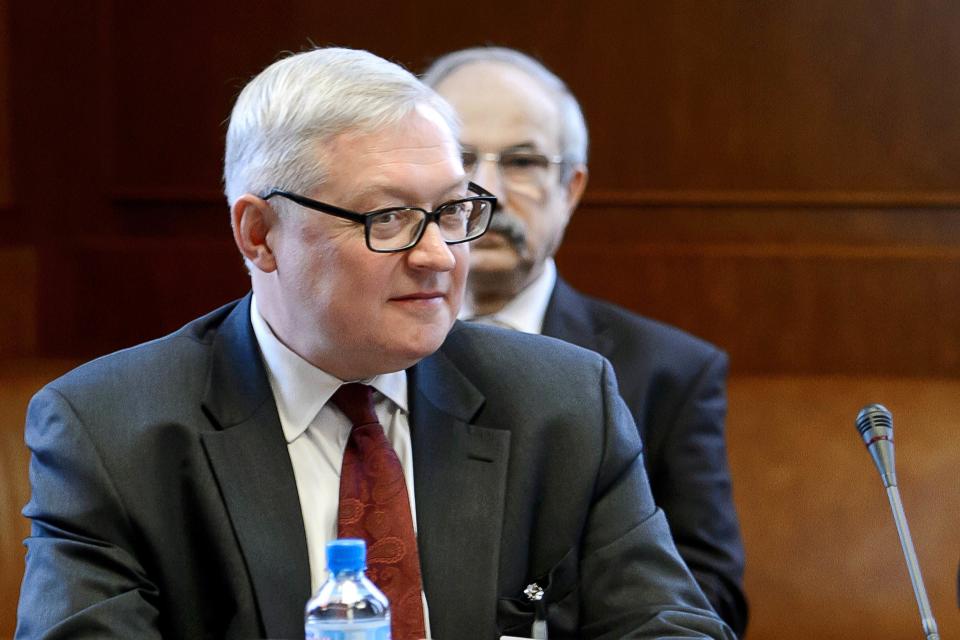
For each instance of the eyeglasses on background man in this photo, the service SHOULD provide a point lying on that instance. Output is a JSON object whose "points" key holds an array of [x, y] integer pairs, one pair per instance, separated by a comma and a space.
{"points": [[518, 166]]}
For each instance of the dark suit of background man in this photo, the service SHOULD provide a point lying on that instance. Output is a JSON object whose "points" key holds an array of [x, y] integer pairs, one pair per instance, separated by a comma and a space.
{"points": [[185, 488], [525, 139]]}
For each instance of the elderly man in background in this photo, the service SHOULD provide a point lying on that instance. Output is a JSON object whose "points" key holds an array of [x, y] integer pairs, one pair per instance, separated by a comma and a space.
{"points": [[524, 138], [185, 488]]}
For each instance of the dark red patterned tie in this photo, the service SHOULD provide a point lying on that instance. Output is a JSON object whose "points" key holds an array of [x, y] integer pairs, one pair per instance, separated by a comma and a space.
{"points": [[374, 506]]}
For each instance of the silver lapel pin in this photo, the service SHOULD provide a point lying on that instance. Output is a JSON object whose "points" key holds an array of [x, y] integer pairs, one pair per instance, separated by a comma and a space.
{"points": [[534, 593]]}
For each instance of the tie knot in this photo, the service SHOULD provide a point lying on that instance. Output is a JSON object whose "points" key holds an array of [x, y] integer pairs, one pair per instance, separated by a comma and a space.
{"points": [[356, 402]]}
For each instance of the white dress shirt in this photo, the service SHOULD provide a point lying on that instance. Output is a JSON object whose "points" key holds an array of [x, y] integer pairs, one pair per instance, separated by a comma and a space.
{"points": [[317, 433], [526, 311]]}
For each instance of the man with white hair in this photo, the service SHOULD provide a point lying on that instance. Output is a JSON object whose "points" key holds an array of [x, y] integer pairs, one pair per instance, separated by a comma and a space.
{"points": [[186, 488], [525, 139]]}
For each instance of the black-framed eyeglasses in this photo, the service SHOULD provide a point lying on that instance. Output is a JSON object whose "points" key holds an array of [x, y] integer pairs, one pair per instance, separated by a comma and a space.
{"points": [[400, 228]]}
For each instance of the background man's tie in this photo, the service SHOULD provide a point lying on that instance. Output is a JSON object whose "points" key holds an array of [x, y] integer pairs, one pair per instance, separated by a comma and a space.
{"points": [[374, 506]]}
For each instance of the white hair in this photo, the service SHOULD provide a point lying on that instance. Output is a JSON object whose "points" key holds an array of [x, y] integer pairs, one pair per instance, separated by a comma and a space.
{"points": [[285, 114], [573, 128]]}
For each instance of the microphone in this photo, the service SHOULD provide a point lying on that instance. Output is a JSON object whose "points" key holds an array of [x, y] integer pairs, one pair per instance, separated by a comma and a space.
{"points": [[875, 425]]}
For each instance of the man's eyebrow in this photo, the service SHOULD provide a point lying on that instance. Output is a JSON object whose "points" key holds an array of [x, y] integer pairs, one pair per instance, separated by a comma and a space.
{"points": [[363, 192], [372, 192], [521, 146]]}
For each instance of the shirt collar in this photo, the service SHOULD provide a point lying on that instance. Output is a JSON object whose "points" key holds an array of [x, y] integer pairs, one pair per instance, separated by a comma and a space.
{"points": [[300, 389], [525, 312]]}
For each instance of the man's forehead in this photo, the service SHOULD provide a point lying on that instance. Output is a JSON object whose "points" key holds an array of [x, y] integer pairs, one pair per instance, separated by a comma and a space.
{"points": [[498, 102], [483, 72], [385, 190], [415, 160]]}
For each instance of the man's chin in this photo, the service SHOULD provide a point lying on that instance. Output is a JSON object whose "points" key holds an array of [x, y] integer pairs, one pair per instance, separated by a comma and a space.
{"points": [[414, 343], [426, 342]]}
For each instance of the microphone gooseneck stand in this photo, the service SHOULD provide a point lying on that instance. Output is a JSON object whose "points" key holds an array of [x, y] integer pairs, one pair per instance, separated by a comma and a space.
{"points": [[875, 424]]}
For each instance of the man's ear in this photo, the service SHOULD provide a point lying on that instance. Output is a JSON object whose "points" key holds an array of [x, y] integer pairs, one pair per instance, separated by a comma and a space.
{"points": [[575, 186], [252, 218]]}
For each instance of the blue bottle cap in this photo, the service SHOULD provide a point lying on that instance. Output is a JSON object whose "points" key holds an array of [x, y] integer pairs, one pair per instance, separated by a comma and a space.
{"points": [[346, 554]]}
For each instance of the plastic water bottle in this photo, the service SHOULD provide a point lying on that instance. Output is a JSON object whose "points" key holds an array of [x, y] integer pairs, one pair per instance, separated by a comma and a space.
{"points": [[347, 606]]}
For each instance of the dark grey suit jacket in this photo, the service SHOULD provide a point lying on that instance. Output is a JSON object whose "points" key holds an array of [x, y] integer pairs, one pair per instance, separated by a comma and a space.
{"points": [[164, 501], [673, 384]]}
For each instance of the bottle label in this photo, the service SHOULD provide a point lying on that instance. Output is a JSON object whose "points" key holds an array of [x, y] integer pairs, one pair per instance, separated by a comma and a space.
{"points": [[337, 630]]}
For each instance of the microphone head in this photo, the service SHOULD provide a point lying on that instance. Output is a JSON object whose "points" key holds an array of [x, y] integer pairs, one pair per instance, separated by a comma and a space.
{"points": [[874, 416], [875, 425]]}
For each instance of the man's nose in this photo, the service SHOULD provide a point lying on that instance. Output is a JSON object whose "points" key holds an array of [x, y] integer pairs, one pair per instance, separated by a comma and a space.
{"points": [[488, 175], [432, 252]]}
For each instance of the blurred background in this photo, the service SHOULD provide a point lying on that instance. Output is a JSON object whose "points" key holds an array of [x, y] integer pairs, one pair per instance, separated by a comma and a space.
{"points": [[781, 178]]}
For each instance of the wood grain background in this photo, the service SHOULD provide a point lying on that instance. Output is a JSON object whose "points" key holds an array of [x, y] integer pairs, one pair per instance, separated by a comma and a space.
{"points": [[781, 178]]}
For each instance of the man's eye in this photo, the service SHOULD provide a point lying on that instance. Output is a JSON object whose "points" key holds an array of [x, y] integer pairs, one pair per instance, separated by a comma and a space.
{"points": [[455, 213], [390, 223], [523, 161], [391, 217]]}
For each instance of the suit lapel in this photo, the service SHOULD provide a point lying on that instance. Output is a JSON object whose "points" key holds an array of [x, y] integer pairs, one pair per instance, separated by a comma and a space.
{"points": [[568, 318], [460, 474], [249, 458]]}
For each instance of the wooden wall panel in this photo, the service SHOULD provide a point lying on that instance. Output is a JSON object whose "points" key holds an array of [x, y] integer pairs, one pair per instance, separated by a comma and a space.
{"points": [[797, 96], [5, 184], [796, 291], [780, 178], [57, 139], [18, 290], [760, 153], [800, 99], [823, 557], [157, 288]]}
